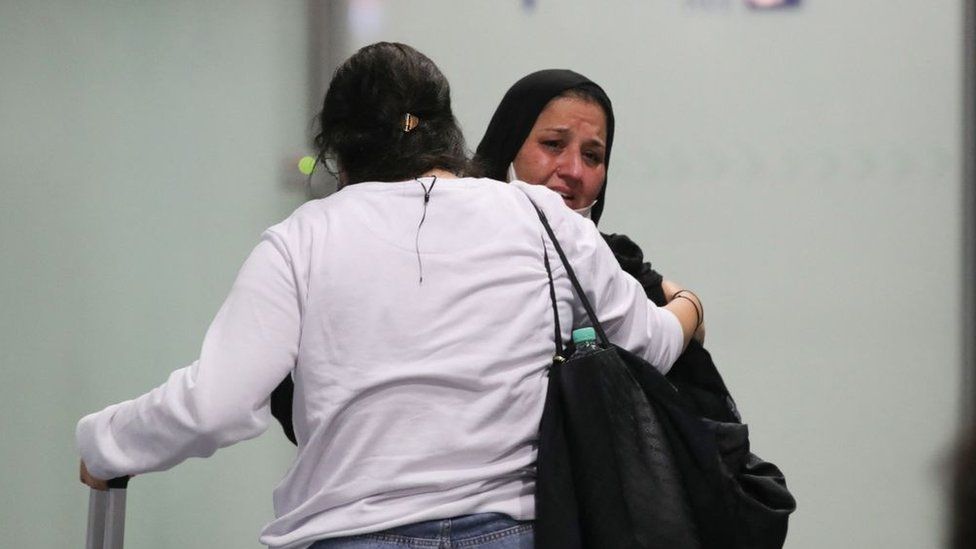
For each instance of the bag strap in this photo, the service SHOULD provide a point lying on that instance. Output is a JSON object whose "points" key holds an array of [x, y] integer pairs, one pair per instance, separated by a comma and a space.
{"points": [[555, 311], [572, 278]]}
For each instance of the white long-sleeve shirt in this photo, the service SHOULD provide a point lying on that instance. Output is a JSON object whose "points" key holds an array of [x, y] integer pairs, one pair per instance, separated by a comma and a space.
{"points": [[413, 400]]}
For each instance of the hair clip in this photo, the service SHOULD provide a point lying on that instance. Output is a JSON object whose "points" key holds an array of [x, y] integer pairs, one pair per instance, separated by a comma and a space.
{"points": [[410, 122]]}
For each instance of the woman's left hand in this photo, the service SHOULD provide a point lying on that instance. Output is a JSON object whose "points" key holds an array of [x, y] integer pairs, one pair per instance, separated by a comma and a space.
{"points": [[669, 288], [95, 483]]}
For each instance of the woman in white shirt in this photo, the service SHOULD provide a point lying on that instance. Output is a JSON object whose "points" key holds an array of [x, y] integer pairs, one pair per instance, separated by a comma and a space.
{"points": [[411, 308]]}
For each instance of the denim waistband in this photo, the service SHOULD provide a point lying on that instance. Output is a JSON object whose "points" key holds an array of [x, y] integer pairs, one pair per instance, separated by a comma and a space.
{"points": [[489, 530]]}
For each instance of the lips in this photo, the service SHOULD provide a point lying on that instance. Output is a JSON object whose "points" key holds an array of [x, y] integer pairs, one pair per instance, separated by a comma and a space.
{"points": [[564, 192]]}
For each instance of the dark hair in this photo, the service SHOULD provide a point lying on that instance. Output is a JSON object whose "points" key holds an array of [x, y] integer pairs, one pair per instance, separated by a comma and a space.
{"points": [[518, 110], [362, 118]]}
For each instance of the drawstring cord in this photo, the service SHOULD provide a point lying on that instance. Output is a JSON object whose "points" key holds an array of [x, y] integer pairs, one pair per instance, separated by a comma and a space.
{"points": [[427, 190]]}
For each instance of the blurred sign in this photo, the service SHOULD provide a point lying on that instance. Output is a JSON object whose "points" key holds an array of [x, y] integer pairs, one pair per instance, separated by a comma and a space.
{"points": [[772, 4]]}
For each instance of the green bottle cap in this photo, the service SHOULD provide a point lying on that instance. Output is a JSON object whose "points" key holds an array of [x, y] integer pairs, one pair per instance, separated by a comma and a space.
{"points": [[583, 335]]}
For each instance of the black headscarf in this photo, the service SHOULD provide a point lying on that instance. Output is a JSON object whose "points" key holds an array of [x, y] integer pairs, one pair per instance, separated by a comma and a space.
{"points": [[517, 113]]}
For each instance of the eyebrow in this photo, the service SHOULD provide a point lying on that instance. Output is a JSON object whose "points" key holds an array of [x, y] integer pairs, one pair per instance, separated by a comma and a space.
{"points": [[564, 130]]}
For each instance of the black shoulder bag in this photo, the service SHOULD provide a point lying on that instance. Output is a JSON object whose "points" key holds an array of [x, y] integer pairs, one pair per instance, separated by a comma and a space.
{"points": [[624, 463]]}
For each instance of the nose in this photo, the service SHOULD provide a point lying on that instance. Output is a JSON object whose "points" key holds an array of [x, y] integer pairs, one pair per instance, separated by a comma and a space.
{"points": [[571, 166]]}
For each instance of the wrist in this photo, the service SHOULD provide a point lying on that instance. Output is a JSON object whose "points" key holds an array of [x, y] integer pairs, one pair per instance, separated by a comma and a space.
{"points": [[695, 302]]}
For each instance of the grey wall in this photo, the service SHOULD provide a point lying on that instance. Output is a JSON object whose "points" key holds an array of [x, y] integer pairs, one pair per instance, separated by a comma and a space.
{"points": [[801, 170], [969, 208], [143, 149]]}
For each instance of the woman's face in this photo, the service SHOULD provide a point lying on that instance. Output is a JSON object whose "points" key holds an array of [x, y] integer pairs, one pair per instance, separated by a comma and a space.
{"points": [[565, 150]]}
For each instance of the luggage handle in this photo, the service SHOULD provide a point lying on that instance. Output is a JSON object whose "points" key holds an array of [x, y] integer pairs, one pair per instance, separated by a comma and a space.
{"points": [[106, 515]]}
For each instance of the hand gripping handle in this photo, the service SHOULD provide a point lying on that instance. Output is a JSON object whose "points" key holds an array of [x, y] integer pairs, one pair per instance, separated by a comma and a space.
{"points": [[106, 515]]}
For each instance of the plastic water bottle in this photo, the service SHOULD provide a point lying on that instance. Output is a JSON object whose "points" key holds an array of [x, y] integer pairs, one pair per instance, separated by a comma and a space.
{"points": [[584, 339]]}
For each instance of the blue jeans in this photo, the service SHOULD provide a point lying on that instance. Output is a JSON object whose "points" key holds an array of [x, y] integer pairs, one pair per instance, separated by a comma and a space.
{"points": [[481, 531]]}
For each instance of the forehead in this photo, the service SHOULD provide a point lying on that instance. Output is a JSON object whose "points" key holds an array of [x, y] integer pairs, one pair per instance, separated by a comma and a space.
{"points": [[573, 113]]}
